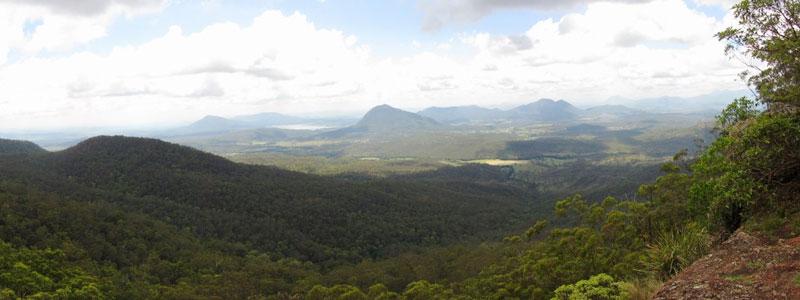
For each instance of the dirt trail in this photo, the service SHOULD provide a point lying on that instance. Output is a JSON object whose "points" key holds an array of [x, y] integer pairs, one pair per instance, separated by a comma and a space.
{"points": [[743, 267]]}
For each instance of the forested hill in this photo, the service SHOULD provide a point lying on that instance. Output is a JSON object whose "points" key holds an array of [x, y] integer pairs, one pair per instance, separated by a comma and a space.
{"points": [[321, 219], [18, 147], [106, 158], [384, 118]]}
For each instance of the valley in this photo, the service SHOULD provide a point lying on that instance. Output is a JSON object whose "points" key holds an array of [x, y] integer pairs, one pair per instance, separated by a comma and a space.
{"points": [[396, 193], [390, 133]]}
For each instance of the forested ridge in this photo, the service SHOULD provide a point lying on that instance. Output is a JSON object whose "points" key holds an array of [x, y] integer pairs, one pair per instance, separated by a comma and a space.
{"points": [[304, 216], [132, 218], [19, 147]]}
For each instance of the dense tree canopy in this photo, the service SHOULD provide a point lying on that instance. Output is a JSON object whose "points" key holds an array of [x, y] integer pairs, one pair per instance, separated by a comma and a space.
{"points": [[321, 219]]}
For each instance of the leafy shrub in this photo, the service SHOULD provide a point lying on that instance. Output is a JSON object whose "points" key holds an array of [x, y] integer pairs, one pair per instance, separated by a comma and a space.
{"points": [[43, 274], [752, 168], [381, 292], [338, 292], [599, 287], [424, 290]]}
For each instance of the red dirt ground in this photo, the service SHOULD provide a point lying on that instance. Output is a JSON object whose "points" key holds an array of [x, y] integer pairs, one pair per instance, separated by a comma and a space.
{"points": [[743, 267]]}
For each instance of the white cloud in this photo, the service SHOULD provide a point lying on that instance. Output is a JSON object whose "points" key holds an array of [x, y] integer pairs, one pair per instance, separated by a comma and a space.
{"points": [[439, 13], [658, 48], [285, 63], [275, 58], [54, 25]]}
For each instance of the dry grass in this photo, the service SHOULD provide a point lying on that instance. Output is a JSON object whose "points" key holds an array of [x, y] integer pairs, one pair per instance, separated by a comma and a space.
{"points": [[642, 289]]}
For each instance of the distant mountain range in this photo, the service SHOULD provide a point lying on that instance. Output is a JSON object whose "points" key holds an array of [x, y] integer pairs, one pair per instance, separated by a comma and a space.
{"points": [[548, 110], [461, 114], [543, 110], [379, 122], [613, 110], [709, 103], [384, 119], [387, 119]]}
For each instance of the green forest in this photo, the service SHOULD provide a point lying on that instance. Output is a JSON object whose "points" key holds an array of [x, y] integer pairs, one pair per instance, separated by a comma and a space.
{"points": [[134, 218]]}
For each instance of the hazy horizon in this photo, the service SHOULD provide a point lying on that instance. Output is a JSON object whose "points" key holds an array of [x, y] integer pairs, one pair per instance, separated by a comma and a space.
{"points": [[709, 106]]}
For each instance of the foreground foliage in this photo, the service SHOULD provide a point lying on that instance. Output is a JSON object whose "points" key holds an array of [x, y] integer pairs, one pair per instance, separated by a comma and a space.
{"points": [[43, 274]]}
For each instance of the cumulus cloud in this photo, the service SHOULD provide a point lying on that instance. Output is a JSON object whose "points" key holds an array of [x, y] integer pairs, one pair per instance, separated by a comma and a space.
{"points": [[210, 88], [660, 47], [274, 58], [226, 68], [284, 63], [53, 25], [436, 84], [442, 12]]}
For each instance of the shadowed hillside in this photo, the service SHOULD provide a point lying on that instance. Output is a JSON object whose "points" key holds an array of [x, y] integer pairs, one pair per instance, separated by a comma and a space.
{"points": [[19, 147]]}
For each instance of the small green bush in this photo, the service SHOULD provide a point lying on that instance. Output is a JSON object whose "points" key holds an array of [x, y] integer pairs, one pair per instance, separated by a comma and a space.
{"points": [[424, 290], [599, 287]]}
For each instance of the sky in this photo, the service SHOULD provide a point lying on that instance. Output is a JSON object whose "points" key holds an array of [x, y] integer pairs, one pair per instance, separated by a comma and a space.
{"points": [[94, 63]]}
